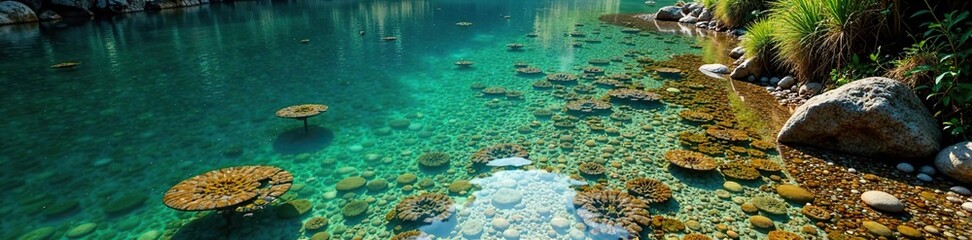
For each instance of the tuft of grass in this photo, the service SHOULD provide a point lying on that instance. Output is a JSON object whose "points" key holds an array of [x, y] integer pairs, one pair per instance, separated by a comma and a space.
{"points": [[709, 4], [737, 13], [759, 41], [798, 36]]}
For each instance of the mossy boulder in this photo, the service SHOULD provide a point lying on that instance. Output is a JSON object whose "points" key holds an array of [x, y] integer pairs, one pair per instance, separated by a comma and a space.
{"points": [[377, 185], [770, 205], [350, 183], [124, 203], [81, 230], [355, 208], [294, 208]]}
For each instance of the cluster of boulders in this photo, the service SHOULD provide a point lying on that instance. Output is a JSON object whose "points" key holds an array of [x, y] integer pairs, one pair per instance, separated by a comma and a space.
{"points": [[690, 13], [22, 11], [786, 89]]}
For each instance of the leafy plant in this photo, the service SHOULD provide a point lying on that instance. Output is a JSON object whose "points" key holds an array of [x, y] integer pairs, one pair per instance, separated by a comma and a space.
{"points": [[950, 93], [857, 68]]}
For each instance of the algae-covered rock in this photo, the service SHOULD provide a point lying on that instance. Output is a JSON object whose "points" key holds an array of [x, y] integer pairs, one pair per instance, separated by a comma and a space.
{"points": [[315, 223], [321, 236], [459, 186], [150, 235], [60, 208], [878, 229], [770, 205], [407, 178], [81, 230], [354, 208], [294, 208], [15, 12], [350, 183], [377, 185], [38, 234]]}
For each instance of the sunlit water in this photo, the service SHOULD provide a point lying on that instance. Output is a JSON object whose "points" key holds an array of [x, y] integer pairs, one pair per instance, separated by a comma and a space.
{"points": [[160, 97]]}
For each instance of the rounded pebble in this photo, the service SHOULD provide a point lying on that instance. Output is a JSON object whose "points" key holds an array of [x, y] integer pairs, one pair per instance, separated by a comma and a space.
{"points": [[924, 177], [961, 190], [882, 201], [927, 170], [905, 167], [967, 206]]}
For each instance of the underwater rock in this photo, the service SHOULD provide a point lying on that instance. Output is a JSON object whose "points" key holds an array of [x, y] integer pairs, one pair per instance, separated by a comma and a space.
{"points": [[882, 201], [761, 222], [878, 229], [714, 68], [150, 235], [315, 223], [81, 230], [354, 208], [669, 13], [770, 205], [956, 161], [377, 185], [872, 116], [15, 12], [794, 193], [38, 234], [506, 197], [459, 186], [407, 178], [350, 183], [905, 167], [321, 236]]}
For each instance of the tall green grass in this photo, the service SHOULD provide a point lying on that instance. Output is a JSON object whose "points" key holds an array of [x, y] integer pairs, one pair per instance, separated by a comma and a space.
{"points": [[759, 41], [709, 4], [737, 13]]}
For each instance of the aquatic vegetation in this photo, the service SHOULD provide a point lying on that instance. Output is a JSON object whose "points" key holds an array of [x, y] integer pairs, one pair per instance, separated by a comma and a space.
{"points": [[765, 165], [669, 73], [561, 78], [528, 70], [350, 183], [783, 235], [590, 168], [243, 188], [584, 89], [494, 91], [630, 95], [315, 223], [696, 236], [425, 208], [302, 112], [588, 106], [543, 84], [650, 190], [408, 235], [354, 208], [690, 160], [593, 70], [739, 170], [732, 135], [599, 61], [770, 205], [695, 116], [737, 13], [612, 212], [762, 145], [499, 151], [434, 159], [68, 64], [691, 138], [667, 225]]}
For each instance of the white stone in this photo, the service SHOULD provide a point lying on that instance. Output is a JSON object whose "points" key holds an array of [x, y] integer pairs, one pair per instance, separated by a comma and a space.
{"points": [[511, 233], [967, 206], [924, 177], [961, 190], [905, 167], [882, 201], [576, 234], [927, 170], [472, 229], [956, 161], [559, 222], [506, 197], [714, 68], [852, 170], [500, 224]]}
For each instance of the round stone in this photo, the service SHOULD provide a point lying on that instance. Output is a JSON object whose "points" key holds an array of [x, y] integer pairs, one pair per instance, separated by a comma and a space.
{"points": [[961, 190], [967, 206], [882, 201], [350, 183], [559, 222], [732, 186], [905, 167], [40, 233], [924, 177], [511, 233], [761, 222], [500, 224], [81, 230], [506, 197], [956, 161], [909, 232], [794, 193], [878, 229], [406, 178], [927, 170], [472, 229]]}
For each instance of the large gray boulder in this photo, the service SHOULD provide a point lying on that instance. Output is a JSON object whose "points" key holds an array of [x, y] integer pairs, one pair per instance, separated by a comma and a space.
{"points": [[15, 12], [669, 13], [956, 161], [872, 116], [750, 66]]}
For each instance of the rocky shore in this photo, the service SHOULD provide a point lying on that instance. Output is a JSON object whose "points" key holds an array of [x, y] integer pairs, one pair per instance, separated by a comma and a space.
{"points": [[24, 11]]}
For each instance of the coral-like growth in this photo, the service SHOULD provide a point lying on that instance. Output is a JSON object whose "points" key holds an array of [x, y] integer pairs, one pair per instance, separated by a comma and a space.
{"points": [[765, 165], [529, 70], [762, 145], [354, 208], [815, 213], [696, 236], [690, 160], [593, 70], [434, 159], [494, 91], [770, 205], [542, 84], [514, 46], [590, 168], [302, 111], [408, 235], [425, 208], [667, 225], [499, 151], [690, 138], [588, 106], [244, 188], [695, 116], [633, 95], [739, 170], [464, 63], [315, 223], [612, 212], [732, 135], [783, 235], [650, 190], [561, 78]]}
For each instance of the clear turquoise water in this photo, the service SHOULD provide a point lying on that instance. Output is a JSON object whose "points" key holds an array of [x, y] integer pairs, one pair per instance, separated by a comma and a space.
{"points": [[160, 97]]}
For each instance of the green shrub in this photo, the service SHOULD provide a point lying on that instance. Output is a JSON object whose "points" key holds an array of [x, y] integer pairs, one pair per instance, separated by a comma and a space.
{"points": [[798, 36], [759, 41], [737, 13], [708, 4], [950, 93]]}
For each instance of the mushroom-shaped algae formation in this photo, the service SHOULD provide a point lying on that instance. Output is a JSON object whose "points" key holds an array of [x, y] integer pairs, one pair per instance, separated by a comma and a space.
{"points": [[499, 151], [302, 112], [650, 190], [588, 106], [592, 169], [612, 212], [243, 189], [425, 208], [562, 78], [434, 159], [630, 95], [528, 70], [695, 116], [739, 170], [690, 160]]}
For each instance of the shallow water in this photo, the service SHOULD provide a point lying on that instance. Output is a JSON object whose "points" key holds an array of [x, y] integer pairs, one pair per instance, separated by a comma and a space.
{"points": [[161, 97]]}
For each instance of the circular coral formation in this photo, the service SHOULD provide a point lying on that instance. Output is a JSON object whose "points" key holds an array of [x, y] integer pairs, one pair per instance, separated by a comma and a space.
{"points": [[765, 165], [633, 95], [464, 63], [650, 190], [408, 235], [621, 77], [696, 236], [425, 208], [610, 211], [315, 223], [499, 151], [732, 135], [244, 186], [542, 84], [690, 160], [590, 168], [434, 159], [586, 106], [354, 208], [762, 145], [593, 70], [494, 91], [302, 111], [739, 170], [815, 213], [528, 70], [783, 235], [561, 78], [690, 138], [599, 61], [770, 205], [695, 116]]}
